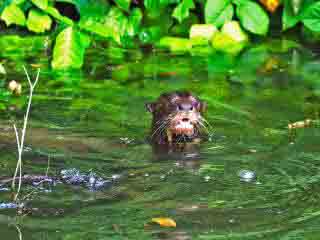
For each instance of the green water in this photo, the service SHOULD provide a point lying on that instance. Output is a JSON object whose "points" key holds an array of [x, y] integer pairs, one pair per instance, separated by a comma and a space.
{"points": [[96, 119]]}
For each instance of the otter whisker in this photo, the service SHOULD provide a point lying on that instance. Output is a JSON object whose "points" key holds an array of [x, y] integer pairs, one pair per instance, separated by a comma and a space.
{"points": [[162, 126]]}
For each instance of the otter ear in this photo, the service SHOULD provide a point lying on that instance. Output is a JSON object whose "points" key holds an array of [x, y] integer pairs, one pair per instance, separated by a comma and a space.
{"points": [[203, 107], [150, 107]]}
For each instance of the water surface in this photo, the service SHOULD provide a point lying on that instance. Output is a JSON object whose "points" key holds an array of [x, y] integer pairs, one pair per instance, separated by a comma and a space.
{"points": [[95, 119]]}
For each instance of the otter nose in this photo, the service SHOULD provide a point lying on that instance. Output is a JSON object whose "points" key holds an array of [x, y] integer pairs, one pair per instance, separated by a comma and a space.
{"points": [[185, 119], [185, 107]]}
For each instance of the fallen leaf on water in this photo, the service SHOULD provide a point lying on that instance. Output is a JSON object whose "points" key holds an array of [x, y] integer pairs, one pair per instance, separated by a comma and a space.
{"points": [[164, 222], [271, 5]]}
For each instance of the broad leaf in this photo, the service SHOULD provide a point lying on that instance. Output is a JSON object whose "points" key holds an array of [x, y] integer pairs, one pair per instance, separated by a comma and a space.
{"points": [[12, 14], [134, 22], [17, 2], [311, 17], [123, 4], [218, 12], [253, 18], [289, 19], [182, 10], [42, 4], [55, 14], [116, 24], [69, 49], [296, 6], [152, 7], [38, 21]]}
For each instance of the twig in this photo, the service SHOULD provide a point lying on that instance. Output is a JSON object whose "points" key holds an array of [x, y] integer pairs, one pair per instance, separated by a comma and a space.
{"points": [[20, 140]]}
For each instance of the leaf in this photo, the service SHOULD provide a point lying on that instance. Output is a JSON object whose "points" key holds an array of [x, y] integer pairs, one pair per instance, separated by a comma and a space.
{"points": [[69, 49], [152, 7], [289, 19], [296, 6], [38, 21], [12, 14], [164, 222], [123, 4], [175, 44], [55, 14], [253, 18], [42, 4], [134, 22], [17, 2], [116, 24], [271, 5], [218, 12], [182, 10], [311, 17]]}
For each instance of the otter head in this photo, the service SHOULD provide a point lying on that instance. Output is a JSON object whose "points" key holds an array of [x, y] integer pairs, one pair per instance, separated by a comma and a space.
{"points": [[177, 116]]}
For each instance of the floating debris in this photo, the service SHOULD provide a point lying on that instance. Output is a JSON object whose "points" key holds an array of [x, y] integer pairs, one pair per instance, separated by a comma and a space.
{"points": [[247, 175]]}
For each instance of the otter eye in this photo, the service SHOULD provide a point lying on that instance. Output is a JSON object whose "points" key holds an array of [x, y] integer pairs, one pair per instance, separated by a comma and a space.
{"points": [[185, 107]]}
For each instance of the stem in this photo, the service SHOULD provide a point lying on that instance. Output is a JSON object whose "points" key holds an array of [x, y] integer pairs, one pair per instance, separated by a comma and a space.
{"points": [[20, 141]]}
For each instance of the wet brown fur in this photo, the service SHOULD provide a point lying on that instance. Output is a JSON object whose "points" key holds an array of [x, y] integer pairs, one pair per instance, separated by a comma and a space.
{"points": [[171, 108]]}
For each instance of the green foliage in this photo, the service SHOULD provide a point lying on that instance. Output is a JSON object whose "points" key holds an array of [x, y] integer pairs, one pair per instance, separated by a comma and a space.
{"points": [[311, 17], [252, 17], [123, 4], [69, 49], [13, 14], [129, 24], [42, 4], [181, 12], [218, 12], [38, 21]]}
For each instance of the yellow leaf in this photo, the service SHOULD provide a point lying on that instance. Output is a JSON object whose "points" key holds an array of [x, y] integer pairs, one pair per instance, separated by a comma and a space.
{"points": [[271, 5], [164, 222]]}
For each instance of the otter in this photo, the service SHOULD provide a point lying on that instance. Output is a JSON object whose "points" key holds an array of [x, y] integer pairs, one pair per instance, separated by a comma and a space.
{"points": [[177, 117]]}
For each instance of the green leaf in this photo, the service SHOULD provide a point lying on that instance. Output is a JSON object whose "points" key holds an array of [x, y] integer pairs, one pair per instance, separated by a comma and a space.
{"points": [[296, 6], [253, 18], [175, 44], [12, 14], [116, 24], [152, 7], [123, 4], [17, 2], [218, 12], [289, 18], [42, 4], [69, 49], [134, 22], [182, 10], [55, 14], [311, 17], [38, 21]]}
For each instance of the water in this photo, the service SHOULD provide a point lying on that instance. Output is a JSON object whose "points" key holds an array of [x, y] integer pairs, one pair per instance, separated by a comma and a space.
{"points": [[95, 120]]}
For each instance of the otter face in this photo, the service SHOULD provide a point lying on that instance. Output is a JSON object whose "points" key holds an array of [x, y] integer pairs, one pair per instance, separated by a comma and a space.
{"points": [[176, 117]]}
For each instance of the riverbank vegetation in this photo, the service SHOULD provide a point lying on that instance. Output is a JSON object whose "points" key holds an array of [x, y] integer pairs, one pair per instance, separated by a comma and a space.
{"points": [[74, 25]]}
